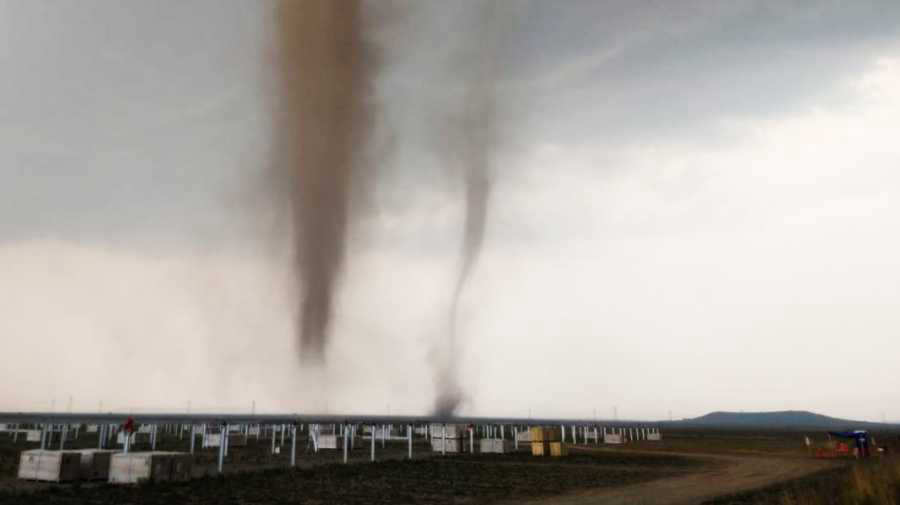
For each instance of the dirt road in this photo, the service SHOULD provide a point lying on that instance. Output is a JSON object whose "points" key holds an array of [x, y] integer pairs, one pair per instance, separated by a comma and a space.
{"points": [[727, 474]]}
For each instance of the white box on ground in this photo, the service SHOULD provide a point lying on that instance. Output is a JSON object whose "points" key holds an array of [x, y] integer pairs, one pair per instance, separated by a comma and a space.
{"points": [[95, 463], [330, 442], [136, 467], [454, 445], [453, 430], [212, 440], [234, 440], [33, 435], [495, 446], [50, 466], [612, 438]]}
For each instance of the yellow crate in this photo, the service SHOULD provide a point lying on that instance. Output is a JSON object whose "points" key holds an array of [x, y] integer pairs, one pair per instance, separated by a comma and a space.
{"points": [[540, 448], [541, 434], [558, 449]]}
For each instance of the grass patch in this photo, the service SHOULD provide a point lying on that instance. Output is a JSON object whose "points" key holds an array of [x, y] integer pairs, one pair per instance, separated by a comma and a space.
{"points": [[875, 482]]}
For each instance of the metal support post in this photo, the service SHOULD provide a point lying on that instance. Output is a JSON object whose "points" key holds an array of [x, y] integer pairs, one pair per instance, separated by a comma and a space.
{"points": [[444, 440], [273, 440], [294, 445], [222, 449], [346, 442], [373, 442], [409, 437]]}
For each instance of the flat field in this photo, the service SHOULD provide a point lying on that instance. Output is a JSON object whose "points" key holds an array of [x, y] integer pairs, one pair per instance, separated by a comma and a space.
{"points": [[253, 476], [688, 466]]}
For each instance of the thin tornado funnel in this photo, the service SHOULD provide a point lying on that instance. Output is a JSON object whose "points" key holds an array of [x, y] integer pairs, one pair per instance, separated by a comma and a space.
{"points": [[474, 142]]}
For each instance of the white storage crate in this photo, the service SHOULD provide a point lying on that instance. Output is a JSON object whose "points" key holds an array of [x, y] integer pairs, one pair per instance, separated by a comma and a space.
{"points": [[50, 466], [453, 430], [212, 440], [157, 466], [234, 440], [95, 463], [612, 438], [496, 446], [331, 442], [454, 445]]}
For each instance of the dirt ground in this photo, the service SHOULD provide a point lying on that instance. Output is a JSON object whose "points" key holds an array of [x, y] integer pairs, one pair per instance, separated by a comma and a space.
{"points": [[710, 465], [255, 477], [724, 474]]}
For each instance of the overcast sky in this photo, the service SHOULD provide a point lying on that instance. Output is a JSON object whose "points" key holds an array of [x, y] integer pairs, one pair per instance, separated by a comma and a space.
{"points": [[695, 209]]}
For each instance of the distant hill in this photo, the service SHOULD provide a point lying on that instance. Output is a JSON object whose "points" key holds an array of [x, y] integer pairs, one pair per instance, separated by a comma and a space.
{"points": [[787, 419]]}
